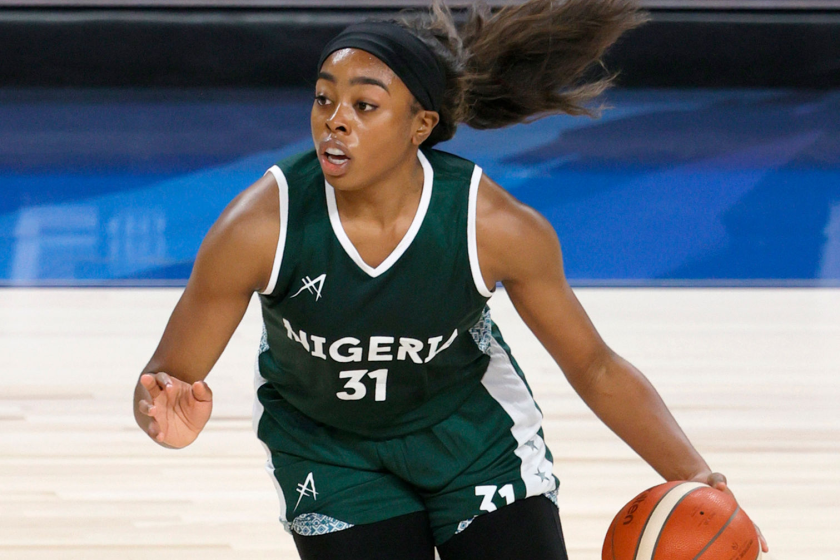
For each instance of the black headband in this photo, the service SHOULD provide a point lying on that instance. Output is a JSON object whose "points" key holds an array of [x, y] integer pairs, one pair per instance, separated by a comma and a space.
{"points": [[410, 59]]}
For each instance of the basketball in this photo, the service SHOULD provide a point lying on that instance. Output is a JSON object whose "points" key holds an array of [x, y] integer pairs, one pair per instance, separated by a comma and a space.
{"points": [[681, 521]]}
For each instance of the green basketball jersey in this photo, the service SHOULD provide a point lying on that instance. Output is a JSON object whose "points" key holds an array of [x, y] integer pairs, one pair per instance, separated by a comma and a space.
{"points": [[383, 351]]}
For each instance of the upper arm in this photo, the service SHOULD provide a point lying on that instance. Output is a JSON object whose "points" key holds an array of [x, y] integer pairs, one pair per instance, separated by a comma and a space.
{"points": [[519, 247], [234, 260]]}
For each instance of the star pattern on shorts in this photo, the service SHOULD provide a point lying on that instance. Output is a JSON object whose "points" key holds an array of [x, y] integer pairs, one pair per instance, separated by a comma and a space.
{"points": [[532, 443], [542, 476]]}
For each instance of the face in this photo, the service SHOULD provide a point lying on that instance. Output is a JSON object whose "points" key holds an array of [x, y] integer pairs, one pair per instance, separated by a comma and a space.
{"points": [[364, 110]]}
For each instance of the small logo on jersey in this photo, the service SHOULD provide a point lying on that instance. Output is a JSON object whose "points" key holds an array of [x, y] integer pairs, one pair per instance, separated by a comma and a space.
{"points": [[307, 489], [312, 286]]}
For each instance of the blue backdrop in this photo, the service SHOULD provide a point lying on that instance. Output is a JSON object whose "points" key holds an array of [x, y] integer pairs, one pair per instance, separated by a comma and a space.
{"points": [[684, 187]]}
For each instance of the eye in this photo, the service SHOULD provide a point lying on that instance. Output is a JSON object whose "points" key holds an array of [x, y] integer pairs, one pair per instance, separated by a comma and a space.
{"points": [[366, 107], [320, 99]]}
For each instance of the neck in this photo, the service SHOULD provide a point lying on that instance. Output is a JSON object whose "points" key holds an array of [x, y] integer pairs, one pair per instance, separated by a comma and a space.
{"points": [[386, 199]]}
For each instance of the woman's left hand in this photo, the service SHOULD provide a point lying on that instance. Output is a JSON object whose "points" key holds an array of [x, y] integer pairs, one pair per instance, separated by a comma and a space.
{"points": [[717, 481]]}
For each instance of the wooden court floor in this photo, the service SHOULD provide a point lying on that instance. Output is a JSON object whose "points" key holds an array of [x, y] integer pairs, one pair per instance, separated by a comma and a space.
{"points": [[753, 376]]}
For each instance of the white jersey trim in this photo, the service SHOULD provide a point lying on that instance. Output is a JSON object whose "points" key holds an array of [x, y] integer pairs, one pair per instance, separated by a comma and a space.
{"points": [[472, 242], [405, 242], [259, 381], [283, 191], [507, 388]]}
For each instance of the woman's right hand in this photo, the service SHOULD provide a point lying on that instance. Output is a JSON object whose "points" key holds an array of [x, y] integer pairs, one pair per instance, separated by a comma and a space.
{"points": [[178, 410]]}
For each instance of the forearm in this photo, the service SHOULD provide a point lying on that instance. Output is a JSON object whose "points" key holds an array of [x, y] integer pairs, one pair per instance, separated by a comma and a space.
{"points": [[628, 404]]}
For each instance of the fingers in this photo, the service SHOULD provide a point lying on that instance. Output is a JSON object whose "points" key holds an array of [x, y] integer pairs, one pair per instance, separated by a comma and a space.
{"points": [[155, 432], [148, 382], [155, 382], [145, 407], [764, 545], [717, 481], [201, 391], [177, 410]]}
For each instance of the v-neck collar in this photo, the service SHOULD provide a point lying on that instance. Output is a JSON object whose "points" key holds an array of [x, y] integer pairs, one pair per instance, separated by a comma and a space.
{"points": [[405, 242]]}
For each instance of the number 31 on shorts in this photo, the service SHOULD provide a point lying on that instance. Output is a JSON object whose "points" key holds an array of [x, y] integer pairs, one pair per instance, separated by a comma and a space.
{"points": [[489, 491], [356, 390]]}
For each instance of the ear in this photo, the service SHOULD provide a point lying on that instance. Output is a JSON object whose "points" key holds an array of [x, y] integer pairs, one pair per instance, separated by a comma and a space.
{"points": [[424, 123]]}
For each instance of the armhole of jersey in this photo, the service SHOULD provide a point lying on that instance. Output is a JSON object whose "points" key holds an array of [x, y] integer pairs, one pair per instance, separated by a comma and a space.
{"points": [[472, 243], [283, 191]]}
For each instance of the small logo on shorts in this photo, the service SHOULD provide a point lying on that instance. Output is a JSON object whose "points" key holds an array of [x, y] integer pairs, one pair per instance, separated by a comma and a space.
{"points": [[312, 286], [307, 489]]}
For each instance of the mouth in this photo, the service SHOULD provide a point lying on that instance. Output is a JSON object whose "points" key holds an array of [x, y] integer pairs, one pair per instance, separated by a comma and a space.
{"points": [[334, 161], [335, 157]]}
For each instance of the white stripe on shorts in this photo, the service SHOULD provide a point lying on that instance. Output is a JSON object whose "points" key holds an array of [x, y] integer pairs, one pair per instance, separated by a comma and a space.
{"points": [[259, 381], [510, 391]]}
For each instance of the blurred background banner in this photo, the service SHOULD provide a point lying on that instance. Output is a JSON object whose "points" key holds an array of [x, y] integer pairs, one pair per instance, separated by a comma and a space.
{"points": [[126, 127]]}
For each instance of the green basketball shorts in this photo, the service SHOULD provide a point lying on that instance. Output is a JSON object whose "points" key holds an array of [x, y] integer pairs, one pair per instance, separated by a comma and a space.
{"points": [[486, 455]]}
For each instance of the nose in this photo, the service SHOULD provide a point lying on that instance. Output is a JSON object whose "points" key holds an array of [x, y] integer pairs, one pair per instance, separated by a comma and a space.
{"points": [[338, 120]]}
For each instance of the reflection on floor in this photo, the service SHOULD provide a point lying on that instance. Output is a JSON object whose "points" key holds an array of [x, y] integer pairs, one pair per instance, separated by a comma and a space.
{"points": [[751, 375]]}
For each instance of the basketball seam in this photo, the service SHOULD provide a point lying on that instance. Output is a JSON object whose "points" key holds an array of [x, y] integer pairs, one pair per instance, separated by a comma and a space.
{"points": [[665, 522], [642, 532], [725, 525]]}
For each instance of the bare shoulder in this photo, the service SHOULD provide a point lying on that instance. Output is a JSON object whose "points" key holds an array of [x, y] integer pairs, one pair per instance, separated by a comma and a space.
{"points": [[253, 211], [244, 238], [512, 237]]}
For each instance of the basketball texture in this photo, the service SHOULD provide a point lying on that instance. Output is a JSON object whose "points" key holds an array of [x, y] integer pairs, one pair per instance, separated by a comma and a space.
{"points": [[681, 521]]}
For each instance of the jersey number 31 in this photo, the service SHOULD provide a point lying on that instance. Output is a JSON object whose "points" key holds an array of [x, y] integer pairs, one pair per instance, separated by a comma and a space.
{"points": [[356, 390]]}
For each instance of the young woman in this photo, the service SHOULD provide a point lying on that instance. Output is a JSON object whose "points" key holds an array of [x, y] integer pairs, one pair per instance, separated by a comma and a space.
{"points": [[394, 416]]}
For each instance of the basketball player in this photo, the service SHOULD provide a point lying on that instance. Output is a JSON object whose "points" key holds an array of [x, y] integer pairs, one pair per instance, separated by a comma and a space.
{"points": [[394, 416]]}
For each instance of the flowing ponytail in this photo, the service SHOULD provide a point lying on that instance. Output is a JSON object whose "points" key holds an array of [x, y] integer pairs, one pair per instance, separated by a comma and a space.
{"points": [[524, 62]]}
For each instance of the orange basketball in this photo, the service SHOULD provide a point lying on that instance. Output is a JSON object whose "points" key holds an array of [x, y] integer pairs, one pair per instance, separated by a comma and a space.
{"points": [[681, 521]]}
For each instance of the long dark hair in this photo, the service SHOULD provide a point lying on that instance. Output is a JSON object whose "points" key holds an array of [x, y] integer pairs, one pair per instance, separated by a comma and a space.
{"points": [[523, 62]]}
